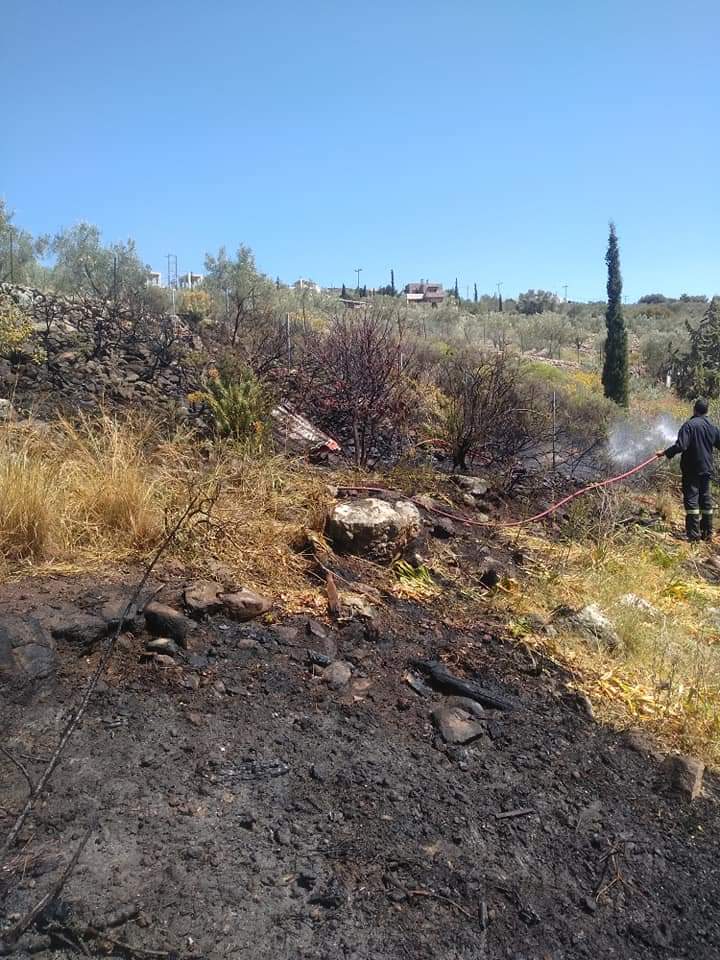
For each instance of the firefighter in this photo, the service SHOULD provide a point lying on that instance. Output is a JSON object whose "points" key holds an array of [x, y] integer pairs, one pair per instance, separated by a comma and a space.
{"points": [[697, 439]]}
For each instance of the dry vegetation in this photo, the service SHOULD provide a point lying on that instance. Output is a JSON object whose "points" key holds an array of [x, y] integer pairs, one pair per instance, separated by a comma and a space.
{"points": [[84, 498], [88, 497], [666, 673]]}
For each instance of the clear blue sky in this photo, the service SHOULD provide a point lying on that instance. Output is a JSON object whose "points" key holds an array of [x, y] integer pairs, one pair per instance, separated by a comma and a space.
{"points": [[488, 140]]}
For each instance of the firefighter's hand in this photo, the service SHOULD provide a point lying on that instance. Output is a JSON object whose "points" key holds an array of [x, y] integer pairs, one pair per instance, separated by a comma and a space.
{"points": [[660, 454]]}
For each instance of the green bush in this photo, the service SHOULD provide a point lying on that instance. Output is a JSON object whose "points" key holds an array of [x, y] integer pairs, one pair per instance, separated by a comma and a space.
{"points": [[240, 407]]}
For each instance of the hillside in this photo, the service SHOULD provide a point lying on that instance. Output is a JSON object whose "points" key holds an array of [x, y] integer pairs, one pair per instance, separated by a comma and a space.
{"points": [[273, 763]]}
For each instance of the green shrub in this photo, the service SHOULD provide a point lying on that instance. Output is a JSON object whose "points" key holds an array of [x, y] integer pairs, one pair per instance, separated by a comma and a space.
{"points": [[240, 407], [15, 328]]}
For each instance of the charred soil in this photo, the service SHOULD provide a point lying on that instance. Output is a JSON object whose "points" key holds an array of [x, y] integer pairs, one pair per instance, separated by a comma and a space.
{"points": [[244, 806]]}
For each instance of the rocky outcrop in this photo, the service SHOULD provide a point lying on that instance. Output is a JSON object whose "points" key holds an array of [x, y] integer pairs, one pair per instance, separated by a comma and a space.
{"points": [[86, 354], [373, 528]]}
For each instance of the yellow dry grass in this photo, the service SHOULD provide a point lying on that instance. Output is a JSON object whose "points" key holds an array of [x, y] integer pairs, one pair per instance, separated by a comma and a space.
{"points": [[85, 498], [666, 673]]}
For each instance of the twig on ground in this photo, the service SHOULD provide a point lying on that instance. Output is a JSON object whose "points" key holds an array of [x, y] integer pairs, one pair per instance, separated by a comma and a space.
{"points": [[104, 942], [430, 893], [511, 814], [14, 933], [21, 768]]}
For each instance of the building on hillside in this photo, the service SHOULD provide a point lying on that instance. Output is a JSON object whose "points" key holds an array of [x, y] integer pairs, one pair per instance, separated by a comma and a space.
{"points": [[154, 278], [303, 284], [188, 281], [425, 292]]}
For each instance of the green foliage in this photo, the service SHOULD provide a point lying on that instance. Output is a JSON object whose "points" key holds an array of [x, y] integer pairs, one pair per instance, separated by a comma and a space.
{"points": [[615, 368], [240, 407], [15, 328], [85, 267], [537, 301], [18, 251], [656, 351], [697, 372]]}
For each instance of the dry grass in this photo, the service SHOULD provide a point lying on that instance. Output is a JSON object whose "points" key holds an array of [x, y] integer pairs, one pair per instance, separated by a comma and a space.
{"points": [[666, 674], [83, 498]]}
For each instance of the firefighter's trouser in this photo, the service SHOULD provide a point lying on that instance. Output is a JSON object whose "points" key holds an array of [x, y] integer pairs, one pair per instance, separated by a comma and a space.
{"points": [[697, 498]]}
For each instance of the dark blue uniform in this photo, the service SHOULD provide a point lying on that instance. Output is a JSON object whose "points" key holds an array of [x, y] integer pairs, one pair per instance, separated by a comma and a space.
{"points": [[697, 440]]}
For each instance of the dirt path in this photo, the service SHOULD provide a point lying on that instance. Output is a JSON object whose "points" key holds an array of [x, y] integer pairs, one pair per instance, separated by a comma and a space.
{"points": [[248, 810]]}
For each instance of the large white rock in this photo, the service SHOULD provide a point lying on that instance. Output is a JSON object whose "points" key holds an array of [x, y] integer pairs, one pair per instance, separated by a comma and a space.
{"points": [[372, 527]]}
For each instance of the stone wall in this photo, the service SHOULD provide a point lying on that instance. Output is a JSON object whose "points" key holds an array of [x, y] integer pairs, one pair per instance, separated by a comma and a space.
{"points": [[89, 354]]}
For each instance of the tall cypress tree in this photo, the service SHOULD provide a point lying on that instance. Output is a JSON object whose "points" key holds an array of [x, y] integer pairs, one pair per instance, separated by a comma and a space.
{"points": [[343, 292], [456, 292], [500, 303], [392, 283], [475, 294], [615, 368]]}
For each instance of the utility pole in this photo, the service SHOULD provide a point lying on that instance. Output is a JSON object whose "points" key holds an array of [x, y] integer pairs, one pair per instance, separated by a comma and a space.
{"points": [[172, 276], [358, 271]]}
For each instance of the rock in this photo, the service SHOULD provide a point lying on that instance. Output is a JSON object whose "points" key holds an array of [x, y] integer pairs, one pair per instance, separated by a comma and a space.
{"points": [[372, 527], [283, 837], [248, 643], [27, 650], [355, 605], [315, 629], [491, 574], [443, 528], [475, 486], [113, 609], [591, 623], [467, 705], [164, 621], [337, 675], [634, 602], [163, 660], [457, 725], [245, 605], [80, 629], [202, 598], [639, 742], [469, 500], [683, 775], [162, 645], [6, 409]]}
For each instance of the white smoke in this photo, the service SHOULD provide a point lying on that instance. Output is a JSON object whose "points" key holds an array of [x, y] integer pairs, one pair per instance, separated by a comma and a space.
{"points": [[629, 443]]}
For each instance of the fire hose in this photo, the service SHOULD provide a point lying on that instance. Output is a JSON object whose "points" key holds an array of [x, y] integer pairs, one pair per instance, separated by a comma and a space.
{"points": [[597, 485]]}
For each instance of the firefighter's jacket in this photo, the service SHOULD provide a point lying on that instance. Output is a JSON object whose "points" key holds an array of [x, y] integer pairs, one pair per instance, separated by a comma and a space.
{"points": [[697, 439]]}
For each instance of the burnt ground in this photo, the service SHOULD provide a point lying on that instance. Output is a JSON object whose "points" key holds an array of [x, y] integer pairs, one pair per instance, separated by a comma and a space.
{"points": [[246, 809]]}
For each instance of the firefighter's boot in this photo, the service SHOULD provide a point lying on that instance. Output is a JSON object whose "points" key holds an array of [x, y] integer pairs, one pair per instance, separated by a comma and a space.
{"points": [[706, 525], [692, 525]]}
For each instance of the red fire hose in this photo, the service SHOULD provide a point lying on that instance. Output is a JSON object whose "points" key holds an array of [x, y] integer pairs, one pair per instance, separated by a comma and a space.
{"points": [[538, 516]]}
